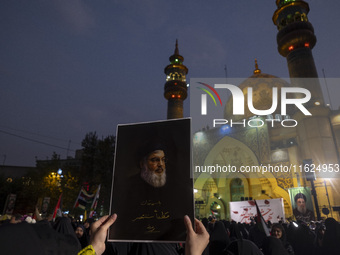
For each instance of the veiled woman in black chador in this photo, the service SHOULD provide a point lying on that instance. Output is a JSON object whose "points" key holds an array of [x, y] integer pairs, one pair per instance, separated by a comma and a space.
{"points": [[82, 235], [279, 232]]}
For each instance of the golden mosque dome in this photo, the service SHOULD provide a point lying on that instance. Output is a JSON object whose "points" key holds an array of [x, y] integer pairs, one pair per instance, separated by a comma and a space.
{"points": [[262, 85]]}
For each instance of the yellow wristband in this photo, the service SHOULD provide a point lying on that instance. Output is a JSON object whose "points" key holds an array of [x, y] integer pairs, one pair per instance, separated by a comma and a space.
{"points": [[88, 250]]}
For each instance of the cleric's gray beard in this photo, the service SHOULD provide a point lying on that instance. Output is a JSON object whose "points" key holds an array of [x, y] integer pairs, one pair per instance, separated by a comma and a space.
{"points": [[152, 178], [302, 210]]}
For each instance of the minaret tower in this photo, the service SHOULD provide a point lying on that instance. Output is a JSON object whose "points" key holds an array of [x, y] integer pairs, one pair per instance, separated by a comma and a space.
{"points": [[295, 41], [175, 88]]}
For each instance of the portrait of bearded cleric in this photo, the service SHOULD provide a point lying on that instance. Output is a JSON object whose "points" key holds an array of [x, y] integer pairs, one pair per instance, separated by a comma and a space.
{"points": [[152, 183], [301, 212], [153, 167]]}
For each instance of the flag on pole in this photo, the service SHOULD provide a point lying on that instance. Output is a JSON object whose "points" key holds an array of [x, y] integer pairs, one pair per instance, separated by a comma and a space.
{"points": [[95, 202], [260, 221], [57, 210], [83, 199]]}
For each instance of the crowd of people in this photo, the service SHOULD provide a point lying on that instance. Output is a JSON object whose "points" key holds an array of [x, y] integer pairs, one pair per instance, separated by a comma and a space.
{"points": [[289, 238], [209, 237]]}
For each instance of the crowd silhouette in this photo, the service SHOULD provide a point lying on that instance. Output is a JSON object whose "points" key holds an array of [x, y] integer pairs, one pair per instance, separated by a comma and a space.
{"points": [[65, 235]]}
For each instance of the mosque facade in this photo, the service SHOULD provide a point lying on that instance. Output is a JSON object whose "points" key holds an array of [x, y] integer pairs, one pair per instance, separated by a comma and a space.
{"points": [[316, 138]]}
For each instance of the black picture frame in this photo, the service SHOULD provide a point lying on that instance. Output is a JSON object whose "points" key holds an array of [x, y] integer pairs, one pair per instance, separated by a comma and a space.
{"points": [[147, 213]]}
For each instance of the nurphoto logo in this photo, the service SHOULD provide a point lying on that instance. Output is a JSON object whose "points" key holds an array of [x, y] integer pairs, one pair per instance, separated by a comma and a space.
{"points": [[238, 106]]}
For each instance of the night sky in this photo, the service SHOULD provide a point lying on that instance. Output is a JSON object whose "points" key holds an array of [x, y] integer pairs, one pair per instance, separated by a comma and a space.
{"points": [[69, 67]]}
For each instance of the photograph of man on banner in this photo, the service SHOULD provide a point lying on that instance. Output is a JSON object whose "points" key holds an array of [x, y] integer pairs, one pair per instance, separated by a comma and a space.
{"points": [[302, 204], [10, 204], [44, 206]]}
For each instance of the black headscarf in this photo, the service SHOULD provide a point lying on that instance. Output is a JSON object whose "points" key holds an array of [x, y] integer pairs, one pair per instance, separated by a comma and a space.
{"points": [[63, 226], [242, 247], [283, 238], [301, 238], [89, 221], [38, 239], [83, 239], [205, 223], [219, 239], [273, 246], [331, 239], [234, 230], [256, 235]]}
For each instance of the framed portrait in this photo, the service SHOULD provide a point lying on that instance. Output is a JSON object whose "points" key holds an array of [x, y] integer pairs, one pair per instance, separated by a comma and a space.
{"points": [[10, 204], [152, 188], [302, 203]]}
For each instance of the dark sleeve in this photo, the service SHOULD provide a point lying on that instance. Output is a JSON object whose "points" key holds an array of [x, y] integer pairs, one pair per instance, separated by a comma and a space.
{"points": [[289, 249]]}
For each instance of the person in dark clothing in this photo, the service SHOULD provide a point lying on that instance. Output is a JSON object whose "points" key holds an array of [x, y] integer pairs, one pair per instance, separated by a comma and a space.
{"points": [[256, 235], [117, 248], [63, 225], [219, 239], [82, 236], [87, 224], [319, 234], [205, 223], [234, 230], [154, 248], [301, 238], [279, 232], [331, 239], [273, 246], [37, 239], [242, 247], [243, 230]]}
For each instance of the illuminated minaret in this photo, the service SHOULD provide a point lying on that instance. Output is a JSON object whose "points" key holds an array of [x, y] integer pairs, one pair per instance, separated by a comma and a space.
{"points": [[175, 88], [295, 41]]}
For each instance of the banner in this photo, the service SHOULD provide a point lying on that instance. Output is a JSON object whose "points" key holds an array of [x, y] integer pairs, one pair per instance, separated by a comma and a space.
{"points": [[44, 206], [10, 203], [302, 203], [245, 211]]}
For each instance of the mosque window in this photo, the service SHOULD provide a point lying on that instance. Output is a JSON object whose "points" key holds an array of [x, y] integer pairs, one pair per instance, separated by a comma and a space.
{"points": [[209, 188], [236, 189], [174, 76]]}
